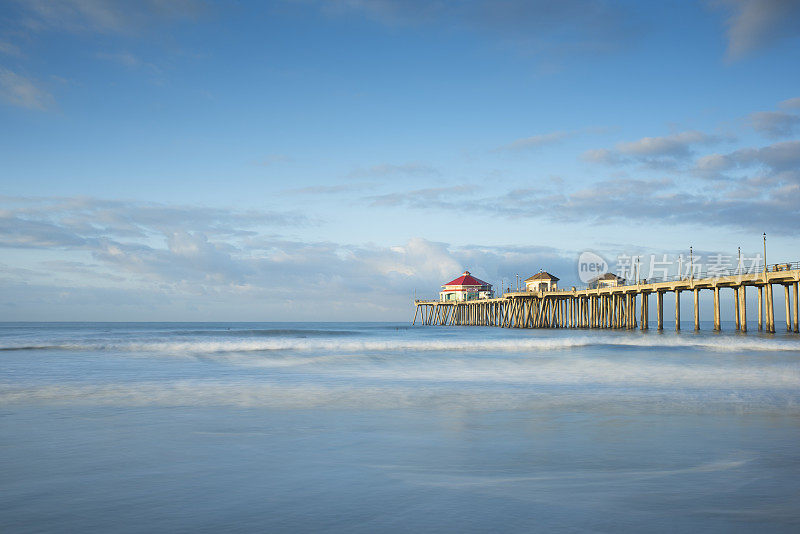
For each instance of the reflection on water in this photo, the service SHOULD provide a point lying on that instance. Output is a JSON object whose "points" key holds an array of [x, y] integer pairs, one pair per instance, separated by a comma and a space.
{"points": [[371, 427]]}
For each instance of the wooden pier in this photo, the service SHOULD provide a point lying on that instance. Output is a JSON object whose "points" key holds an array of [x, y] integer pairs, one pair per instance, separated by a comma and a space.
{"points": [[625, 306]]}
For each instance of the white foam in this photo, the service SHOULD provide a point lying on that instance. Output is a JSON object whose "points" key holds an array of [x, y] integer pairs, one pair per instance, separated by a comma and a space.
{"points": [[722, 343], [583, 371], [315, 396], [584, 478]]}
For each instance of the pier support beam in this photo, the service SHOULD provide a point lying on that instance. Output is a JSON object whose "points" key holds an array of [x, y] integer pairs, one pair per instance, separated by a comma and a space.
{"points": [[628, 309], [677, 310], [626, 321], [770, 311], [717, 323], [743, 304], [660, 309], [614, 310], [796, 308], [736, 306], [597, 311], [624, 311], [603, 311], [696, 309], [760, 308], [787, 300], [644, 311]]}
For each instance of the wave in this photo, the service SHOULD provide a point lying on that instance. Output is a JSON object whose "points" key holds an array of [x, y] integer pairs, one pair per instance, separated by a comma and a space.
{"points": [[268, 332], [247, 344], [321, 397]]}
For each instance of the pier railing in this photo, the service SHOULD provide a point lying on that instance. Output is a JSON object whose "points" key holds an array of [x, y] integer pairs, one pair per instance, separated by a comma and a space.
{"points": [[710, 274], [704, 274]]}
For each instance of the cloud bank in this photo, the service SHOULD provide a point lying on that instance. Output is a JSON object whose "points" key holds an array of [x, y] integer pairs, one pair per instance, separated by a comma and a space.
{"points": [[139, 260]]}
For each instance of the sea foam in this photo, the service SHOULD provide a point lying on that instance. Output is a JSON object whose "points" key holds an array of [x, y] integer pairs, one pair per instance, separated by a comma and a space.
{"points": [[725, 343]]}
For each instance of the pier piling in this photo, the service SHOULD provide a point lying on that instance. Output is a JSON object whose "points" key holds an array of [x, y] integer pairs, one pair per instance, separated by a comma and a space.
{"points": [[743, 305], [760, 308], [787, 301], [795, 285]]}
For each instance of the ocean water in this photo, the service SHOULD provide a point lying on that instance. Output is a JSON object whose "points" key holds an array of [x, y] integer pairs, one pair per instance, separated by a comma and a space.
{"points": [[375, 427]]}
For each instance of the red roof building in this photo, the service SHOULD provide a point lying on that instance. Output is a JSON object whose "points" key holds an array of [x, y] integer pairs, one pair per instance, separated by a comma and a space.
{"points": [[466, 287]]}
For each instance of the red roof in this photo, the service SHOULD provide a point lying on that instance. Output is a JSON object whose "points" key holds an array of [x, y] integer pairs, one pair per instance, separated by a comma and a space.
{"points": [[466, 279]]}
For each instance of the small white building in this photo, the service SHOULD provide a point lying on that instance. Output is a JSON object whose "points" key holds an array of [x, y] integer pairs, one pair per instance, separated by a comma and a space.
{"points": [[541, 281], [465, 287], [606, 280]]}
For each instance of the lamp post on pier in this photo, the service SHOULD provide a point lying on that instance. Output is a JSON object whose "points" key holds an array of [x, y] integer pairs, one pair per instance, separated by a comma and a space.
{"points": [[739, 262]]}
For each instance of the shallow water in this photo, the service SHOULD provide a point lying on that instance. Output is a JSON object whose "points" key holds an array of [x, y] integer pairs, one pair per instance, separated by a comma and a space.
{"points": [[364, 427]]}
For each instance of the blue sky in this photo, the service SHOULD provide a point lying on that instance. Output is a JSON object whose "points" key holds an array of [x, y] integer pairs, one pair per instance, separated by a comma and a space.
{"points": [[322, 160]]}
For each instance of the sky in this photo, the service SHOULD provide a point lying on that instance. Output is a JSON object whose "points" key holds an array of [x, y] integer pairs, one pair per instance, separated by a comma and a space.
{"points": [[302, 160]]}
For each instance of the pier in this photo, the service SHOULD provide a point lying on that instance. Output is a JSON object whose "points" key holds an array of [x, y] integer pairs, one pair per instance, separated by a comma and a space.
{"points": [[623, 306]]}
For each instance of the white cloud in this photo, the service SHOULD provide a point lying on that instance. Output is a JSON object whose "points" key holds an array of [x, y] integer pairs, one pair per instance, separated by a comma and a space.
{"points": [[384, 170], [20, 91], [103, 16], [713, 164], [664, 152], [765, 184], [330, 189], [9, 49], [536, 26], [677, 145], [47, 222], [536, 141], [778, 156], [757, 24], [123, 58], [423, 198], [602, 155], [791, 103], [774, 124], [274, 159]]}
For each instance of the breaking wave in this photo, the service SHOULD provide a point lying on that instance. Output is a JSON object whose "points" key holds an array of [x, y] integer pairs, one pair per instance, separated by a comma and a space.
{"points": [[382, 397], [257, 344], [269, 332]]}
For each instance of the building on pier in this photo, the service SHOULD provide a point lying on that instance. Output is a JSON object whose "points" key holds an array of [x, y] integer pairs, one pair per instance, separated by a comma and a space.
{"points": [[606, 280], [541, 281], [465, 287]]}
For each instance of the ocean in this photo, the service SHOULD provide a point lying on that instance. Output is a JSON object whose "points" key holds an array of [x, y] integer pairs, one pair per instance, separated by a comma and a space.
{"points": [[380, 427]]}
